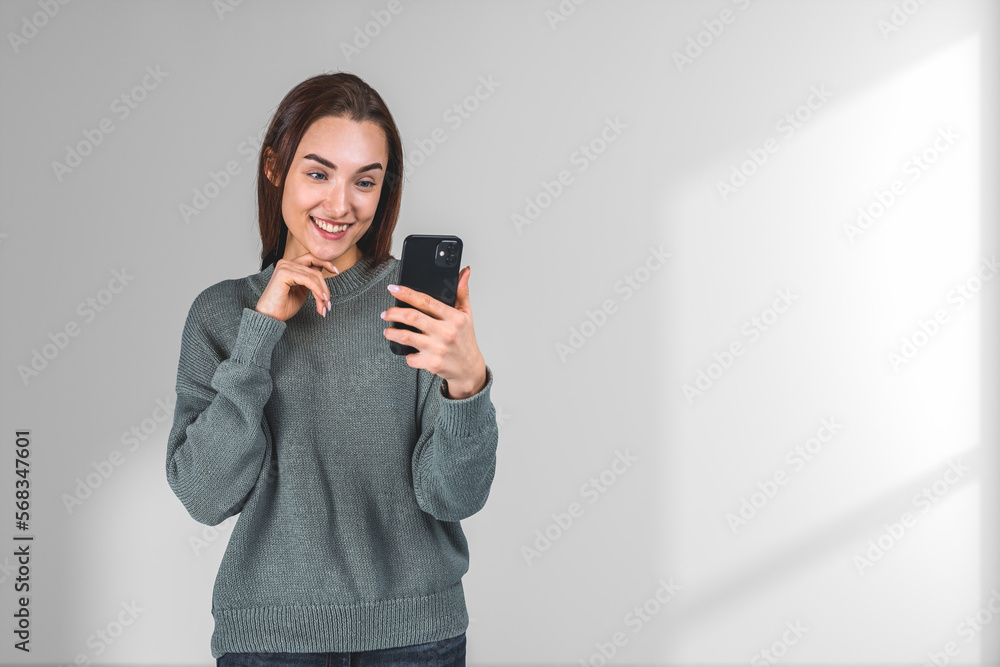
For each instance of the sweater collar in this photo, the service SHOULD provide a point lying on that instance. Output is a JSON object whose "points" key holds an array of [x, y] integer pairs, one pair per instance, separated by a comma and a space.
{"points": [[362, 273]]}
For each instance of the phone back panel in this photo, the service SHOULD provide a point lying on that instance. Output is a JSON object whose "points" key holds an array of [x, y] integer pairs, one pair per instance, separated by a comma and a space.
{"points": [[430, 263], [419, 271]]}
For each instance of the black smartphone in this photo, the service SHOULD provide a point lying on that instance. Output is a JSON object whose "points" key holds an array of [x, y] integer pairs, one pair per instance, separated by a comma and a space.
{"points": [[430, 263]]}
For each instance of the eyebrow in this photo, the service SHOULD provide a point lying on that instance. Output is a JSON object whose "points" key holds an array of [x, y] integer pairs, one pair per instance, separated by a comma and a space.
{"points": [[329, 165]]}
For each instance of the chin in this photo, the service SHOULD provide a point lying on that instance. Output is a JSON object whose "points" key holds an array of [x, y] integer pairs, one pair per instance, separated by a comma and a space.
{"points": [[329, 254]]}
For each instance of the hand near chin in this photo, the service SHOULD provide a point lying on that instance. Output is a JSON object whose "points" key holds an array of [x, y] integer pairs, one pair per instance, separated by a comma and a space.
{"points": [[291, 283]]}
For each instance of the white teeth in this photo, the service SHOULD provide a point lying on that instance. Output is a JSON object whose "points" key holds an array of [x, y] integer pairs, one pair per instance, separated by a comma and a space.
{"points": [[333, 229]]}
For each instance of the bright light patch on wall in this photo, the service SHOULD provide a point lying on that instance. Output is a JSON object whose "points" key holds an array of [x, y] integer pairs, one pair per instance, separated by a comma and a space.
{"points": [[847, 271]]}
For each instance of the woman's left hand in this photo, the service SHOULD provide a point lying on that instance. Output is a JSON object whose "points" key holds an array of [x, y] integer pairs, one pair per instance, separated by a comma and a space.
{"points": [[447, 347]]}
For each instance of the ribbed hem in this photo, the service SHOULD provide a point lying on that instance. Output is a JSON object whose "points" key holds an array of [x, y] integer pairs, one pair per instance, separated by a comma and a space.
{"points": [[258, 334], [320, 628], [464, 416]]}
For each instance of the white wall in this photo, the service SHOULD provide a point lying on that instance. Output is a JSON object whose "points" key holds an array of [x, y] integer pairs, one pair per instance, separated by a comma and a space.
{"points": [[881, 95]]}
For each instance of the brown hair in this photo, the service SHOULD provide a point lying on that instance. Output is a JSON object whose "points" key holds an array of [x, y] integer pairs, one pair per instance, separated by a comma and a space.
{"points": [[342, 95]]}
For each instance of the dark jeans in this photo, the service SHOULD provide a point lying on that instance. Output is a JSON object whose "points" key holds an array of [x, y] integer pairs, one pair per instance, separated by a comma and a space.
{"points": [[444, 653]]}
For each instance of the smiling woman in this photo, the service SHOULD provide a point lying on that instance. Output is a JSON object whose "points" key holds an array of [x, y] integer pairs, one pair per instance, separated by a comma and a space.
{"points": [[351, 468], [324, 203], [323, 120]]}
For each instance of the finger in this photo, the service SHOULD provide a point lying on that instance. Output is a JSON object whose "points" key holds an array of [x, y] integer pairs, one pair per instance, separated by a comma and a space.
{"points": [[422, 302], [415, 339], [311, 260], [321, 291], [308, 280], [411, 316], [462, 293], [297, 274]]}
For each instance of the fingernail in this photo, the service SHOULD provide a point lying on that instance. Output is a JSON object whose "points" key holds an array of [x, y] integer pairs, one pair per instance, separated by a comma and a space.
{"points": [[393, 288], [325, 311], [382, 315]]}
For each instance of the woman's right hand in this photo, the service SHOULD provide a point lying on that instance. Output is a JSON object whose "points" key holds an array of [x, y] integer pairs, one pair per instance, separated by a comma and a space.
{"points": [[291, 283]]}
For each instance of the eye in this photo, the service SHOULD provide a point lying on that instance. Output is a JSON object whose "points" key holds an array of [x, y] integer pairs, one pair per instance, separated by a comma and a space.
{"points": [[316, 173], [369, 184]]}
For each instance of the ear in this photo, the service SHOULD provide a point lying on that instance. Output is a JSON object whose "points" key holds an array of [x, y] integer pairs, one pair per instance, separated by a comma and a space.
{"points": [[269, 167]]}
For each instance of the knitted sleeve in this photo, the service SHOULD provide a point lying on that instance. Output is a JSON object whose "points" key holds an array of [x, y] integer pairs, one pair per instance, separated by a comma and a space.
{"points": [[218, 442], [455, 456]]}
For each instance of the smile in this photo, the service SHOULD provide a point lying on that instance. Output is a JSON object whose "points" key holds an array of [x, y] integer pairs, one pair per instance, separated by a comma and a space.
{"points": [[330, 227]]}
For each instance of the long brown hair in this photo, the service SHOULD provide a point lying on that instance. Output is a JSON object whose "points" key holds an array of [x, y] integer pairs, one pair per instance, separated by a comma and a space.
{"points": [[342, 95]]}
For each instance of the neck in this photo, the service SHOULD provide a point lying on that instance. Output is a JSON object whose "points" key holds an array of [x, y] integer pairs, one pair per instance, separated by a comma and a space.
{"points": [[345, 261]]}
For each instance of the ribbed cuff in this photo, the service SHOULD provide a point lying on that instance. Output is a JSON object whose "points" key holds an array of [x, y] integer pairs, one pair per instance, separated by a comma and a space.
{"points": [[258, 335], [464, 416]]}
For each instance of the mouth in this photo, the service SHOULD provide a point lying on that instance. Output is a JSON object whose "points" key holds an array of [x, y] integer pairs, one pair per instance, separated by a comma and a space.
{"points": [[329, 228]]}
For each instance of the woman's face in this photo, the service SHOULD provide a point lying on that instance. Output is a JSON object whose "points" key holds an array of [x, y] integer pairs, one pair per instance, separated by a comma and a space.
{"points": [[335, 179]]}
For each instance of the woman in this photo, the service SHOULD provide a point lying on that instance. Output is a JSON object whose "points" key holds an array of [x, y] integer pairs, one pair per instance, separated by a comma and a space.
{"points": [[350, 467]]}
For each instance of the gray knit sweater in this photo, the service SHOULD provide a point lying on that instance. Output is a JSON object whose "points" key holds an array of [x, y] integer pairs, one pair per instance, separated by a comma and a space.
{"points": [[350, 470]]}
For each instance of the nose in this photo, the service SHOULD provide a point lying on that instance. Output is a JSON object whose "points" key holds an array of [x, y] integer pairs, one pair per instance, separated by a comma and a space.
{"points": [[336, 204]]}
